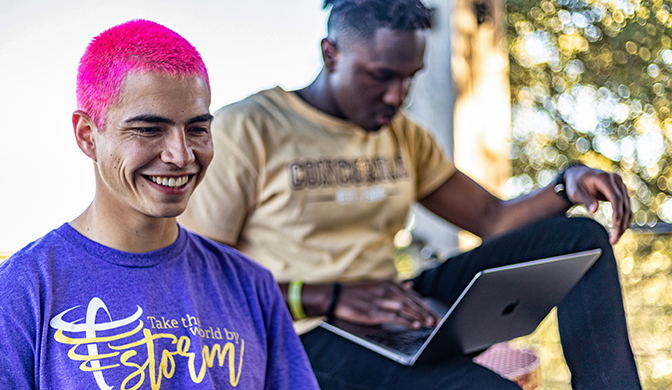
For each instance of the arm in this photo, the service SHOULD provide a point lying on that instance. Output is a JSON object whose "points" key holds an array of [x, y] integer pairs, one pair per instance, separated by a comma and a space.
{"points": [[368, 302], [466, 204]]}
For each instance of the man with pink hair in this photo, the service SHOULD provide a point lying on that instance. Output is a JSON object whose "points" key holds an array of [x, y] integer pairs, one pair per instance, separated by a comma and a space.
{"points": [[122, 296]]}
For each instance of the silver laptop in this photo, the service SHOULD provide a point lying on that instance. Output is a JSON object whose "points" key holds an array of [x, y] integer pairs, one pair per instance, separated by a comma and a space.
{"points": [[499, 304]]}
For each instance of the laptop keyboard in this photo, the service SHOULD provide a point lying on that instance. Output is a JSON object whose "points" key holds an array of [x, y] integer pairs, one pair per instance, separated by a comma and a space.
{"points": [[404, 340]]}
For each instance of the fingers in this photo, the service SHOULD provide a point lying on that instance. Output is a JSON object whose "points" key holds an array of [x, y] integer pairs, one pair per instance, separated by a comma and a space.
{"points": [[408, 308], [622, 214], [384, 302], [591, 186], [402, 317], [610, 187]]}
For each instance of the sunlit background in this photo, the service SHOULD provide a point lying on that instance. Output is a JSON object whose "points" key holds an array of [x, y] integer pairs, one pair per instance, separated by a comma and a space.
{"points": [[45, 180], [590, 81]]}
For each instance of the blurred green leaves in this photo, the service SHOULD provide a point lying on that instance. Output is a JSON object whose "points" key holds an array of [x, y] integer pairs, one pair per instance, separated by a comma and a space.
{"points": [[590, 81]]}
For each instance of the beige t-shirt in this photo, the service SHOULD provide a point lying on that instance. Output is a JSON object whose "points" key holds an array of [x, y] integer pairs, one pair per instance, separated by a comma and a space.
{"points": [[310, 196]]}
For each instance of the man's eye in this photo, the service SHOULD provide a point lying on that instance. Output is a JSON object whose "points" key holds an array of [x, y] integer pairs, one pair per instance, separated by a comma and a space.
{"points": [[199, 130], [147, 130], [381, 77]]}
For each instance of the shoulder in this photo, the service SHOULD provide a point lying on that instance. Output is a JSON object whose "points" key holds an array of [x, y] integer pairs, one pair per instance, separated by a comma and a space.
{"points": [[406, 127], [244, 279], [234, 264], [26, 280], [255, 108], [416, 138], [32, 260], [249, 128]]}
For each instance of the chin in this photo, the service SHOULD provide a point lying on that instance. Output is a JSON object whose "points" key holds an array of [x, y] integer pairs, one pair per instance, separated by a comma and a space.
{"points": [[169, 212], [176, 213], [370, 127]]}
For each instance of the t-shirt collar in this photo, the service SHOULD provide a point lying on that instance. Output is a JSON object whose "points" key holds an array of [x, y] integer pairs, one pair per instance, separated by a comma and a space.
{"points": [[125, 259]]}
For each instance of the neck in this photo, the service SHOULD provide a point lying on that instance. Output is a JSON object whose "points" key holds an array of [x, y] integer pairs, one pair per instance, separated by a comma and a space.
{"points": [[129, 233], [318, 94]]}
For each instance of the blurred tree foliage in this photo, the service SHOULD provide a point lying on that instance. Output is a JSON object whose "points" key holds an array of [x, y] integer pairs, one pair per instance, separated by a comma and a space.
{"points": [[590, 81]]}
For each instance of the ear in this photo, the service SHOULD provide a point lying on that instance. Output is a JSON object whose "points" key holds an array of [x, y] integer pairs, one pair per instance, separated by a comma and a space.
{"points": [[85, 132], [329, 54]]}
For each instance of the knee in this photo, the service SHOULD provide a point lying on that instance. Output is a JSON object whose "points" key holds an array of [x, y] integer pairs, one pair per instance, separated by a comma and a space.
{"points": [[588, 232], [590, 228]]}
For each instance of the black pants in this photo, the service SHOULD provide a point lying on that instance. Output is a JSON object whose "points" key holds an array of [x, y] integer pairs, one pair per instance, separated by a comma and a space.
{"points": [[591, 320]]}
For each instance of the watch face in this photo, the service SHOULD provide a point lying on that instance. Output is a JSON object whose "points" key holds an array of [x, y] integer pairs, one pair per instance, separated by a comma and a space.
{"points": [[559, 187]]}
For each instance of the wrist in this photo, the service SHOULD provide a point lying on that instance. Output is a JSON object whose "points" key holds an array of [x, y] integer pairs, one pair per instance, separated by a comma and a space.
{"points": [[335, 297], [560, 185], [294, 299], [314, 299]]}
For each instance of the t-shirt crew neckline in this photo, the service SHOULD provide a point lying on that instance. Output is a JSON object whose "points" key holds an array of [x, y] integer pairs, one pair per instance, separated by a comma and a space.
{"points": [[328, 122], [121, 258]]}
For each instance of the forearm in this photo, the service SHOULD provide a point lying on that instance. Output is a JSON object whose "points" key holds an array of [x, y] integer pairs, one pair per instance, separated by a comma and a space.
{"points": [[464, 203], [525, 209], [365, 302]]}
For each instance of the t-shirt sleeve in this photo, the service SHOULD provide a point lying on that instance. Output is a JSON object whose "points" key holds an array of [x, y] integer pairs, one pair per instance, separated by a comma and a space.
{"points": [[432, 165], [220, 203], [17, 325], [288, 366]]}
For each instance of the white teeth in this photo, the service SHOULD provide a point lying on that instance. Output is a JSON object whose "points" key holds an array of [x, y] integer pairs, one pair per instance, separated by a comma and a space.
{"points": [[172, 182]]}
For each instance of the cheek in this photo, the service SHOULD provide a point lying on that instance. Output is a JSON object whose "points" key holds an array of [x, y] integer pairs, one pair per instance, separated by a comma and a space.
{"points": [[124, 162], [368, 92], [204, 153]]}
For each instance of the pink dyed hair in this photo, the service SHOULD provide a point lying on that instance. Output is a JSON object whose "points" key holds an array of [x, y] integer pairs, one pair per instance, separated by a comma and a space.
{"points": [[138, 46]]}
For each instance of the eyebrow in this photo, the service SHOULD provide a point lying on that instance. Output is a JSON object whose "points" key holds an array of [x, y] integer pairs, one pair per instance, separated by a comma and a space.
{"points": [[148, 118], [393, 72], [200, 118]]}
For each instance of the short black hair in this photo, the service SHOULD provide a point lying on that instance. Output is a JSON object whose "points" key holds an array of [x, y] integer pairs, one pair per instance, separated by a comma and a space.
{"points": [[362, 18]]}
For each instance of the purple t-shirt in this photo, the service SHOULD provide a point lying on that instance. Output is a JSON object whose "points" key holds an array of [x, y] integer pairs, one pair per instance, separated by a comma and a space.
{"points": [[75, 314]]}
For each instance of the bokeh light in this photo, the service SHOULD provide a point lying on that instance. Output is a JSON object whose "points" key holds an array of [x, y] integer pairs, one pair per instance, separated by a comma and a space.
{"points": [[590, 82]]}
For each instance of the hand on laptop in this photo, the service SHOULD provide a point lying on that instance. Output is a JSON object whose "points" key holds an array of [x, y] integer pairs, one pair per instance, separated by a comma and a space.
{"points": [[388, 301], [587, 186]]}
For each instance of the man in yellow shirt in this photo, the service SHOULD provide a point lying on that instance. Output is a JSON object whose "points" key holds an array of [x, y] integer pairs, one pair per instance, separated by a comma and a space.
{"points": [[314, 183]]}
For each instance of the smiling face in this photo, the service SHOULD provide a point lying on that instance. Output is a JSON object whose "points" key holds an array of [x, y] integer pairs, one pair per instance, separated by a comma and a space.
{"points": [[369, 79], [155, 147]]}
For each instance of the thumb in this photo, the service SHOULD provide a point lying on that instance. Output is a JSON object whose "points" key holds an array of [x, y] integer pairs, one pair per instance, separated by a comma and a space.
{"points": [[587, 200], [592, 206], [591, 203]]}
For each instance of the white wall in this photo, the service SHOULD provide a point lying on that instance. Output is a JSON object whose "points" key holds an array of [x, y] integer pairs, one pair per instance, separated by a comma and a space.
{"points": [[45, 180]]}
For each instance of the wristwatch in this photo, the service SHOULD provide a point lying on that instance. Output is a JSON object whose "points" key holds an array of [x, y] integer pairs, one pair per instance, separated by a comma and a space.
{"points": [[560, 186]]}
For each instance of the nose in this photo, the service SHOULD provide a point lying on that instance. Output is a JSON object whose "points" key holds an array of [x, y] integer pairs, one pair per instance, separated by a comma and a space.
{"points": [[396, 92], [177, 151]]}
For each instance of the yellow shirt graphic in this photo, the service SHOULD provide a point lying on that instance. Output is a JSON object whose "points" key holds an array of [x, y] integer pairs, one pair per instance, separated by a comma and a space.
{"points": [[135, 347]]}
